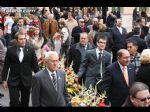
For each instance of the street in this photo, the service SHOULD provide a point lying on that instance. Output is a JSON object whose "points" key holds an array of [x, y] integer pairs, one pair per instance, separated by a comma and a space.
{"points": [[126, 22]]}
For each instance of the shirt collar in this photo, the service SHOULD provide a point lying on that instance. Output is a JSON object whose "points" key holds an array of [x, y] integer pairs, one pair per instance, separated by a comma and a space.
{"points": [[98, 51], [119, 27], [121, 66], [50, 71]]}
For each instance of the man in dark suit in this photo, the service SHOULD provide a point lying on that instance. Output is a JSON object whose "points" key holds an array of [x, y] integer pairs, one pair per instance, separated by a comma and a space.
{"points": [[136, 37], [104, 14], [15, 28], [117, 79], [119, 35], [95, 62], [20, 60], [77, 52], [144, 28], [79, 29], [49, 85]]}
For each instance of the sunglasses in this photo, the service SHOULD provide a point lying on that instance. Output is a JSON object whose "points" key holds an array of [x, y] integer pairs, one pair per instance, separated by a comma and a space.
{"points": [[144, 99]]}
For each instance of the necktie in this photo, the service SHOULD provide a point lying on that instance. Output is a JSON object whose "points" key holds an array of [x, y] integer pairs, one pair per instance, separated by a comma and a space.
{"points": [[21, 55], [54, 80], [125, 74], [100, 59], [100, 56]]}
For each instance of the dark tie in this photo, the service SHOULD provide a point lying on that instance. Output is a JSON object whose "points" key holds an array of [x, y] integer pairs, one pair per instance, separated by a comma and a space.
{"points": [[54, 80], [100, 56], [100, 59]]}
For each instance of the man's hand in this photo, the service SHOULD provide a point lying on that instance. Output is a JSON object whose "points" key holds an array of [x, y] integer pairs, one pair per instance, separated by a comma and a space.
{"points": [[5, 84]]}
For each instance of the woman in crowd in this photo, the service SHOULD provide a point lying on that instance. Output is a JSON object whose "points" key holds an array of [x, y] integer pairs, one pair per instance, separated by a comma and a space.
{"points": [[139, 96], [37, 41], [144, 69]]}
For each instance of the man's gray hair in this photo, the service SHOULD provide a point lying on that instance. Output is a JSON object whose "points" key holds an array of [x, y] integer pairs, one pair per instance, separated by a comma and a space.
{"points": [[48, 54]]}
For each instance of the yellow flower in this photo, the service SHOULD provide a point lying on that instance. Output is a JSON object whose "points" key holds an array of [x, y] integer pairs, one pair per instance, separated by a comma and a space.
{"points": [[70, 90]]}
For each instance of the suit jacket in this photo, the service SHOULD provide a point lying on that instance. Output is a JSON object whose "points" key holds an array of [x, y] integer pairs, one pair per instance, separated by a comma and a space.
{"points": [[75, 54], [19, 71], [119, 40], [76, 33], [114, 84], [91, 67], [44, 93]]}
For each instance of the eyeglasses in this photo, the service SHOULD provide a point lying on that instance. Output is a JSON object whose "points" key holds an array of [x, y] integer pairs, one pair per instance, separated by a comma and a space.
{"points": [[102, 42], [81, 21], [144, 99]]}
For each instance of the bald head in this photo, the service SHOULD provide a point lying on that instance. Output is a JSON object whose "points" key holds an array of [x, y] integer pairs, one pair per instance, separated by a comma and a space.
{"points": [[123, 56]]}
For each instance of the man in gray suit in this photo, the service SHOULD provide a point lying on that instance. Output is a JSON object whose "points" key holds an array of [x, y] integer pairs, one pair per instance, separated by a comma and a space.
{"points": [[95, 62], [49, 85]]}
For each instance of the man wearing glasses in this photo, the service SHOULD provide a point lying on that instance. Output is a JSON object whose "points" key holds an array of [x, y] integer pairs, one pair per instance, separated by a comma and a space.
{"points": [[95, 62], [139, 96]]}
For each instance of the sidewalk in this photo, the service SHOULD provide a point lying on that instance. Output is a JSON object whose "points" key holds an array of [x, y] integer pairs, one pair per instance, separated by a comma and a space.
{"points": [[5, 100]]}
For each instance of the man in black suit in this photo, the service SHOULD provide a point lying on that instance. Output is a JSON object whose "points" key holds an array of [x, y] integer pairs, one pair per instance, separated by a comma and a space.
{"points": [[77, 52], [49, 85], [119, 35], [95, 62], [104, 14], [20, 60], [117, 79], [144, 28], [136, 37], [79, 29]]}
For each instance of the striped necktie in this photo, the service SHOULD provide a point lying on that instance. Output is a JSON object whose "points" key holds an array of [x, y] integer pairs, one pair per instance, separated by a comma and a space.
{"points": [[54, 80]]}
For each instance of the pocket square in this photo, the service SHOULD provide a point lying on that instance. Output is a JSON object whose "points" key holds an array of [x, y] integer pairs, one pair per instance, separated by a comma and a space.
{"points": [[59, 77]]}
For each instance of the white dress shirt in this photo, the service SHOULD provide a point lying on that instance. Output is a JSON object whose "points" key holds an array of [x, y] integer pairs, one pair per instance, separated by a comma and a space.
{"points": [[120, 29], [97, 52]]}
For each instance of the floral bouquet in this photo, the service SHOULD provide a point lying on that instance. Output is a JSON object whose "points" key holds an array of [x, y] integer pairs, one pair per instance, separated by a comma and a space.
{"points": [[72, 84], [57, 36], [89, 98], [36, 23], [41, 63], [31, 31]]}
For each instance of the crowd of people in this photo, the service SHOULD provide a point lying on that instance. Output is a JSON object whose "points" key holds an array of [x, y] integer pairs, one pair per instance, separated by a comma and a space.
{"points": [[90, 39]]}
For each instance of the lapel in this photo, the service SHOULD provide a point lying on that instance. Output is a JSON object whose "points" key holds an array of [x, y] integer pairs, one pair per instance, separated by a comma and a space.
{"points": [[119, 31], [59, 84], [130, 70], [25, 51], [49, 83], [95, 56], [121, 74], [103, 56], [16, 51], [59, 78]]}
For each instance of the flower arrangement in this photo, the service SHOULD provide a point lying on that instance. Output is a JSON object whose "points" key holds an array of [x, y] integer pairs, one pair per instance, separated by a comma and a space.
{"points": [[89, 98], [36, 23], [57, 36], [72, 84], [80, 95], [41, 63], [31, 31]]}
